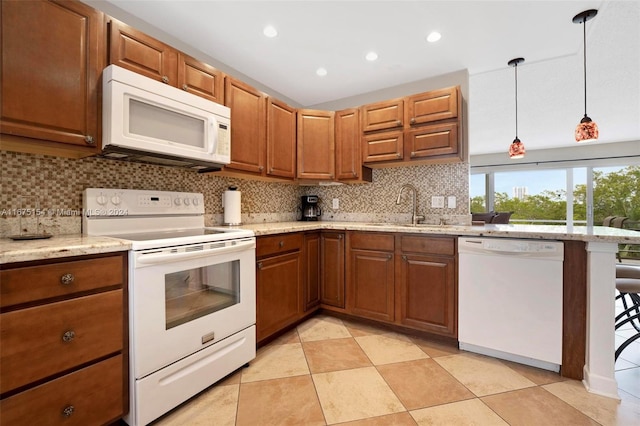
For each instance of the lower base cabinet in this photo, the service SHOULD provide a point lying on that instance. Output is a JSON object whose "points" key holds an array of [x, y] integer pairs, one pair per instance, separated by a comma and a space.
{"points": [[332, 269]]}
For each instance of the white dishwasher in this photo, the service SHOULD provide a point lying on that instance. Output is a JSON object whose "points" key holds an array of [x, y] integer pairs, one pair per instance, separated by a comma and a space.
{"points": [[510, 299]]}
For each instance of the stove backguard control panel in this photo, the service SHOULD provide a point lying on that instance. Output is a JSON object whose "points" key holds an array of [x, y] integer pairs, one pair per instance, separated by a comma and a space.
{"points": [[133, 202]]}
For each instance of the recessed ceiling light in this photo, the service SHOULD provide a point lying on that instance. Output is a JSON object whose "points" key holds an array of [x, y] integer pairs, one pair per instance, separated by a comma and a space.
{"points": [[433, 37], [321, 72], [270, 31], [371, 56]]}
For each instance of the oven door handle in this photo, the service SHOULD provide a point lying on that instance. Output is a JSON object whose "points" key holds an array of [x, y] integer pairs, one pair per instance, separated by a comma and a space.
{"points": [[154, 258]]}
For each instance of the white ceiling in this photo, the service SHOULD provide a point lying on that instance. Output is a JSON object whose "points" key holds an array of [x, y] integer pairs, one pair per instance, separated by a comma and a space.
{"points": [[480, 36]]}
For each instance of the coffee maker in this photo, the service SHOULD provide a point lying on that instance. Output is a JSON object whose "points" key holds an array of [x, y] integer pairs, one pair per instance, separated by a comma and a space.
{"points": [[310, 209]]}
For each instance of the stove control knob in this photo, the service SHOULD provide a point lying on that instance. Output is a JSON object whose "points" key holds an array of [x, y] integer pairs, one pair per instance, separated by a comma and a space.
{"points": [[187, 201], [195, 202], [101, 199], [116, 200], [177, 201]]}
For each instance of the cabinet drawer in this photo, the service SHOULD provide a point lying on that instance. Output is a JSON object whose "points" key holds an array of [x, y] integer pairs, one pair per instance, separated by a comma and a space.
{"points": [[33, 339], [432, 106], [33, 283], [276, 244], [386, 146], [383, 115], [89, 396], [432, 141], [432, 245], [371, 241]]}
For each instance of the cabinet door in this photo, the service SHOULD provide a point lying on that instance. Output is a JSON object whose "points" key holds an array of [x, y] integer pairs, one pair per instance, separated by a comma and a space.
{"points": [[279, 295], [428, 299], [348, 144], [200, 79], [332, 269], [432, 141], [136, 51], [248, 122], [52, 57], [281, 139], [371, 284], [316, 145], [386, 146], [312, 270], [433, 106], [383, 115]]}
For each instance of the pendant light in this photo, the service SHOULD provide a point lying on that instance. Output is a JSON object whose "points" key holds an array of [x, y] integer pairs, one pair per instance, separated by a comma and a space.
{"points": [[516, 150], [587, 129]]}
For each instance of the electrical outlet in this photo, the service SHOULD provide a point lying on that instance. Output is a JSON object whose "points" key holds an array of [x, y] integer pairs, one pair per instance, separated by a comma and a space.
{"points": [[437, 201], [335, 204], [451, 201]]}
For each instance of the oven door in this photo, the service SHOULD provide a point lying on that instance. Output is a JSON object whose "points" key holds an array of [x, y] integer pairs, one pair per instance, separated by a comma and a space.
{"points": [[183, 299]]}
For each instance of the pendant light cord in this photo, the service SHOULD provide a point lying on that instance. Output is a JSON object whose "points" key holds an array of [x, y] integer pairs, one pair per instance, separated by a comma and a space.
{"points": [[516, 67], [584, 33]]}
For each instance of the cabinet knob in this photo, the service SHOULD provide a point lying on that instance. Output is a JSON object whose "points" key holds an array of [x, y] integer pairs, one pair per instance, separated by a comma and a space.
{"points": [[68, 336], [185, 87], [89, 139], [354, 174], [340, 236], [68, 411], [413, 120], [281, 244], [259, 265], [165, 79], [404, 257], [413, 154], [271, 170], [261, 168], [330, 176], [67, 279], [389, 256], [398, 155], [399, 122]]}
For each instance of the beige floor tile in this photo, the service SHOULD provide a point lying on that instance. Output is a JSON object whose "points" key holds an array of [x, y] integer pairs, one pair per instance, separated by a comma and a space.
{"points": [[397, 419], [358, 329], [536, 375], [435, 349], [390, 347], [483, 375], [289, 401], [535, 406], [355, 394], [217, 404], [321, 328], [334, 354], [423, 383], [606, 411], [286, 338], [276, 361], [471, 412]]}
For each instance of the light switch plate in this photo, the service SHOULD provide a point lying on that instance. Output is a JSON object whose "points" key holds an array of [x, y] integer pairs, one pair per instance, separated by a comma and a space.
{"points": [[451, 201], [335, 204], [437, 201]]}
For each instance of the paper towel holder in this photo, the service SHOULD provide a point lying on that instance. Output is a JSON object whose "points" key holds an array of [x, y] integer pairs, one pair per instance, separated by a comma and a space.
{"points": [[232, 206]]}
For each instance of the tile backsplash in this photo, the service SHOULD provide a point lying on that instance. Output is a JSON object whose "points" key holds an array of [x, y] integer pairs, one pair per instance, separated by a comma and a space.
{"points": [[57, 184]]}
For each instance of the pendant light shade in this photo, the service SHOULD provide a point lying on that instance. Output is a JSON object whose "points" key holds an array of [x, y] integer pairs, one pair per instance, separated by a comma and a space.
{"points": [[587, 129], [516, 150]]}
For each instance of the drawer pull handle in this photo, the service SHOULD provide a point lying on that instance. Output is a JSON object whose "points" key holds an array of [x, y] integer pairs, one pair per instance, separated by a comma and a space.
{"points": [[281, 244], [68, 411], [412, 121], [67, 279], [404, 257], [68, 336], [165, 79], [259, 265], [340, 236]]}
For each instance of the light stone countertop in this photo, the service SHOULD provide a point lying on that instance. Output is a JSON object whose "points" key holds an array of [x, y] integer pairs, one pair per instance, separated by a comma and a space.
{"points": [[58, 246], [77, 245]]}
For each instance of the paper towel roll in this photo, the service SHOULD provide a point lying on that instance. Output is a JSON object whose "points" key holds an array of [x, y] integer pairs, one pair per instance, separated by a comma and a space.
{"points": [[232, 205]]}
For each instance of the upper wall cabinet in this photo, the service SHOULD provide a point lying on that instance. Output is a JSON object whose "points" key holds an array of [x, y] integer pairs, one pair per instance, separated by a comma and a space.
{"points": [[316, 145], [140, 53], [432, 106], [248, 122], [52, 55], [383, 115], [348, 147], [281, 139]]}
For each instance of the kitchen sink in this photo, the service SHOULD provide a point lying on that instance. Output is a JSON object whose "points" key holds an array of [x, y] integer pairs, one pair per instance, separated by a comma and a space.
{"points": [[419, 225]]}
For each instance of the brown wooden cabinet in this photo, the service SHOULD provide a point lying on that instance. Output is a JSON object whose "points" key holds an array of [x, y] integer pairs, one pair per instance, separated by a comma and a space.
{"points": [[370, 278], [64, 341], [248, 123], [332, 279], [279, 283], [281, 139], [383, 115], [200, 79], [384, 146], [52, 55], [348, 141], [432, 106], [312, 249], [437, 140], [427, 283], [316, 145]]}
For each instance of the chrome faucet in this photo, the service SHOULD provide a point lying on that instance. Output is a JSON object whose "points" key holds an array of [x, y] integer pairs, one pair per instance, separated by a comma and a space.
{"points": [[415, 217]]}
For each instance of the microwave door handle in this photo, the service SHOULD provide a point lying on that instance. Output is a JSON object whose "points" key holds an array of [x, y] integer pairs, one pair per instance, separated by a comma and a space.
{"points": [[154, 258], [214, 129]]}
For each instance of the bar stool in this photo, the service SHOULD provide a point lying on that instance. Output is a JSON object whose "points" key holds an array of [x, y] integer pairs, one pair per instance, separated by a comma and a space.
{"points": [[628, 285]]}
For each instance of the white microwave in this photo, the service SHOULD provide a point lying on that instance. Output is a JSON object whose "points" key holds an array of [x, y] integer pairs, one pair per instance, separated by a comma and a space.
{"points": [[148, 121]]}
